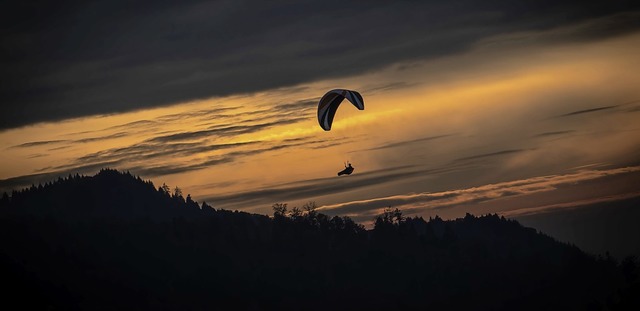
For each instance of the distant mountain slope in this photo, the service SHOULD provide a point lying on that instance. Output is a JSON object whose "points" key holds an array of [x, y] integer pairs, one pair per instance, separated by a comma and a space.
{"points": [[114, 241], [596, 228], [108, 194]]}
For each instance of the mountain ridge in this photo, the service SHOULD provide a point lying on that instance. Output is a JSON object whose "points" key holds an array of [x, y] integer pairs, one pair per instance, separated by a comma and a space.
{"points": [[114, 241]]}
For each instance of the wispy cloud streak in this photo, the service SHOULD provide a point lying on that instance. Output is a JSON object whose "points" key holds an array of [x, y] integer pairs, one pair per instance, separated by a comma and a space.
{"points": [[406, 142], [587, 111], [39, 143], [568, 205], [309, 189], [420, 202], [555, 133], [489, 155], [70, 141], [224, 131], [131, 158]]}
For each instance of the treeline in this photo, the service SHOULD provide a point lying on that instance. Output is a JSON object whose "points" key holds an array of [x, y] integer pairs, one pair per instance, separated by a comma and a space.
{"points": [[108, 194], [113, 241]]}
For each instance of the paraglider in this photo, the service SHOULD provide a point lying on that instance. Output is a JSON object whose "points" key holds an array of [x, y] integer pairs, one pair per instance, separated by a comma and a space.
{"points": [[327, 108], [346, 171], [329, 104]]}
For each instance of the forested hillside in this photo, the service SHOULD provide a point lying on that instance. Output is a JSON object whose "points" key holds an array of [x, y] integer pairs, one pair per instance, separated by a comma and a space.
{"points": [[115, 242]]}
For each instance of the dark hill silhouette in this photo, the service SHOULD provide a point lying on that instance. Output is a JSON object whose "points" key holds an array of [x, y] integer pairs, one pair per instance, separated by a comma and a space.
{"points": [[115, 242]]}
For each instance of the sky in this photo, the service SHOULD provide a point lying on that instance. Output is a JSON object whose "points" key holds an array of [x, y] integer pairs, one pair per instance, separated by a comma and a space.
{"points": [[526, 109]]}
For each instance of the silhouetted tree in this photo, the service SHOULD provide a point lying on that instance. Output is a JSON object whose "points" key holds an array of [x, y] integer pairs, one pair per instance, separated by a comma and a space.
{"points": [[279, 209], [391, 216], [206, 206], [177, 193], [310, 207], [191, 203], [295, 213], [164, 189]]}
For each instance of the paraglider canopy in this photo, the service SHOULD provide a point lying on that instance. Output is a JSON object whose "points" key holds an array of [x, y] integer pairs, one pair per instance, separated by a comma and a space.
{"points": [[329, 105]]}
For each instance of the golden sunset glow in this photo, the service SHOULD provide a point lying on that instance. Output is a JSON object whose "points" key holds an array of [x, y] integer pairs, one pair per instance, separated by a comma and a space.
{"points": [[488, 115]]}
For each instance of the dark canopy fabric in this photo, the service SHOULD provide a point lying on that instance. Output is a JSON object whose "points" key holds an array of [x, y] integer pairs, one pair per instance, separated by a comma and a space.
{"points": [[329, 105]]}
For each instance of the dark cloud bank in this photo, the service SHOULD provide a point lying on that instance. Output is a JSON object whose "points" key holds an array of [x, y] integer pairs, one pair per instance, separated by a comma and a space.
{"points": [[65, 59]]}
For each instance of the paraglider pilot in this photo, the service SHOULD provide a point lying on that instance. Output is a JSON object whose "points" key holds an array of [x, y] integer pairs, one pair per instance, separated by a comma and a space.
{"points": [[347, 170]]}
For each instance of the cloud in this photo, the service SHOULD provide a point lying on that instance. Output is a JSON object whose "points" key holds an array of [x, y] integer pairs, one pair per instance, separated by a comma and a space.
{"points": [[224, 131], [99, 138], [176, 168], [489, 155], [421, 202], [37, 155], [124, 158], [372, 89], [569, 205], [69, 59], [555, 133], [602, 108], [406, 142], [587, 29], [134, 124], [199, 114], [160, 170], [69, 141], [587, 111], [295, 107], [310, 189], [38, 143], [148, 151]]}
